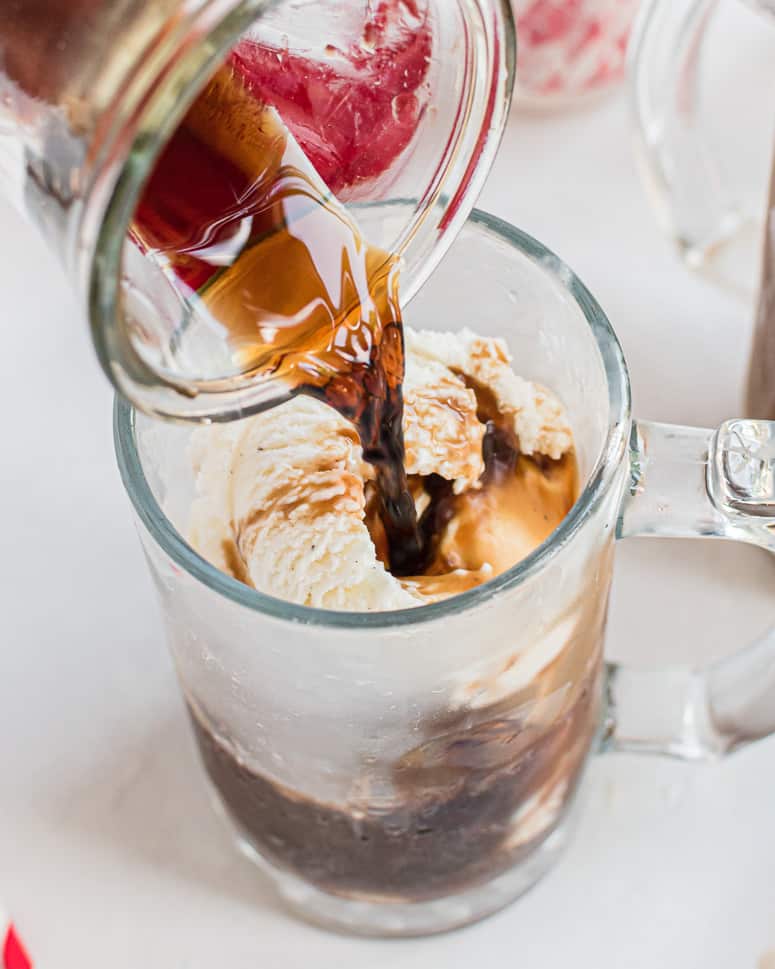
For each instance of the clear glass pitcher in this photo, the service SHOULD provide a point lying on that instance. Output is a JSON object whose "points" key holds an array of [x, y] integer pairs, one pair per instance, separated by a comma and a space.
{"points": [[91, 91]]}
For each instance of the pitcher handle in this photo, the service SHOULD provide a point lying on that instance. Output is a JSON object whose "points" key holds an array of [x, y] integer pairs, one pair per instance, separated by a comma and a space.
{"points": [[693, 483]]}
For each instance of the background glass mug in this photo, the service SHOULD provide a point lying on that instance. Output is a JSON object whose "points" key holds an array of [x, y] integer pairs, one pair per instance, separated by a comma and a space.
{"points": [[701, 86], [404, 773], [92, 90]]}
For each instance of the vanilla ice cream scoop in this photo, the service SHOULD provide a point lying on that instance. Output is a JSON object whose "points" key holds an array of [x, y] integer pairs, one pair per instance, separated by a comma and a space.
{"points": [[537, 417], [283, 497]]}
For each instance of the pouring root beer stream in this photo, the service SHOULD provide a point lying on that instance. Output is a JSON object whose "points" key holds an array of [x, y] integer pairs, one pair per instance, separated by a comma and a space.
{"points": [[252, 239]]}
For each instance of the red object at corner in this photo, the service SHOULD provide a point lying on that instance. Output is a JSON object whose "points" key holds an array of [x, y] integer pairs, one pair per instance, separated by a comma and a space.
{"points": [[14, 954]]}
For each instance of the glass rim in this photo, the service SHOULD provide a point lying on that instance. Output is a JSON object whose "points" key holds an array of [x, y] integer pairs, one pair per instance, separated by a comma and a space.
{"points": [[598, 484]]}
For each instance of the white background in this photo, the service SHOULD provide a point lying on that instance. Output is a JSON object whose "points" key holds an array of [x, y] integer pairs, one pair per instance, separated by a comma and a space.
{"points": [[109, 853]]}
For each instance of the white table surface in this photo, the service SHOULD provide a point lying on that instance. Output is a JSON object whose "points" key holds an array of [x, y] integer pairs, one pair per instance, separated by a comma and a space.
{"points": [[109, 853]]}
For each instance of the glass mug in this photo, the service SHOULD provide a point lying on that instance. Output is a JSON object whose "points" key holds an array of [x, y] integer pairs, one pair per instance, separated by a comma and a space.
{"points": [[91, 91], [405, 773]]}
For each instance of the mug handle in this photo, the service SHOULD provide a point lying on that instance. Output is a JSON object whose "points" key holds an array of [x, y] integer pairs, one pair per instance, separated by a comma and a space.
{"points": [[693, 483]]}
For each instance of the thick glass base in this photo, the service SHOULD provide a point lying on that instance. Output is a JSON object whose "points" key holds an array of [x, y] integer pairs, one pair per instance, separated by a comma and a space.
{"points": [[367, 916]]}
